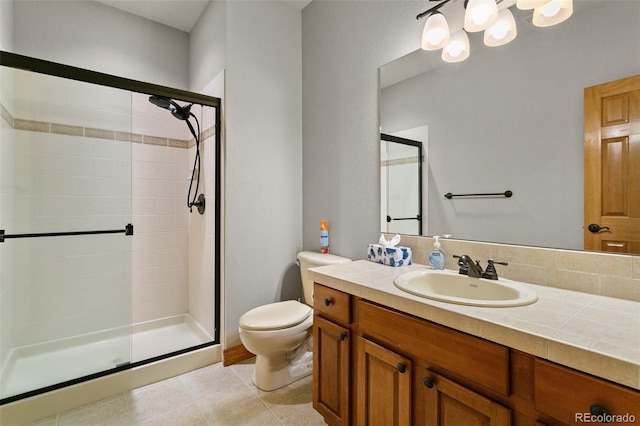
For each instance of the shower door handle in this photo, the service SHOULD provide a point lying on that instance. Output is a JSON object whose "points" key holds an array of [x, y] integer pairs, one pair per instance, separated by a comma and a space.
{"points": [[128, 230]]}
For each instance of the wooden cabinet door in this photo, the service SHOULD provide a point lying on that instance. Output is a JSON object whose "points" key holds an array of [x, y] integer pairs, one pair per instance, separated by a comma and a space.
{"points": [[331, 357], [442, 402], [383, 386]]}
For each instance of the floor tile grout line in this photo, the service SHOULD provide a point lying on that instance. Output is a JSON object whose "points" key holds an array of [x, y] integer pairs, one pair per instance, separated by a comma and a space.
{"points": [[182, 379], [253, 389]]}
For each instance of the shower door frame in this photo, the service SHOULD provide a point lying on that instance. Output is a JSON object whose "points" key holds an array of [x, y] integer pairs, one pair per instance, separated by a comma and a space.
{"points": [[26, 63]]}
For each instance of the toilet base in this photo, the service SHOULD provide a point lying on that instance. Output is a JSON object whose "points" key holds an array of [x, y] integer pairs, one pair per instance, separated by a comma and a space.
{"points": [[274, 371]]}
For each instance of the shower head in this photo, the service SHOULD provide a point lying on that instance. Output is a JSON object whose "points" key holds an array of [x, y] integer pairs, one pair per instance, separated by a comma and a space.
{"points": [[179, 112], [160, 101], [184, 113]]}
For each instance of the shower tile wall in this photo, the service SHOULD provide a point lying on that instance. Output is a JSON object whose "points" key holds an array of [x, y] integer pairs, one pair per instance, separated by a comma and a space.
{"points": [[161, 217]]}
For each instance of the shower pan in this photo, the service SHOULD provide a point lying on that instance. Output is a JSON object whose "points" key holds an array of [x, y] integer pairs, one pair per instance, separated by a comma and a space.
{"points": [[102, 268]]}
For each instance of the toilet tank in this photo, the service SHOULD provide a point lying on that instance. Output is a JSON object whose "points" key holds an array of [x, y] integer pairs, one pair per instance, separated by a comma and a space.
{"points": [[311, 259]]}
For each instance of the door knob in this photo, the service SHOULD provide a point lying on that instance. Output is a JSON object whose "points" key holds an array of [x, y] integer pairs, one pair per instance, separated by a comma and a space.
{"points": [[595, 228]]}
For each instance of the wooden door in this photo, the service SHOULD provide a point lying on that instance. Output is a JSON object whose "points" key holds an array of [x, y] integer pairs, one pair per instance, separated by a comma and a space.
{"points": [[384, 386], [612, 166], [446, 403], [331, 371]]}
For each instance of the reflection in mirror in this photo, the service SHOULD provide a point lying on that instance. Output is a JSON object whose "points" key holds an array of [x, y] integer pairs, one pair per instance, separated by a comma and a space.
{"points": [[402, 179], [511, 117]]}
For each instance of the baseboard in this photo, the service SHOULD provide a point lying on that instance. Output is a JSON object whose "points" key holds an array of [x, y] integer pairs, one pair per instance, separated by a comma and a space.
{"points": [[235, 354]]}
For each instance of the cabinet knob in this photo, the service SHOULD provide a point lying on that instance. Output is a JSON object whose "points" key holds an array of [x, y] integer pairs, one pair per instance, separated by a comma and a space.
{"points": [[401, 368], [428, 381], [599, 410], [327, 302], [342, 336]]}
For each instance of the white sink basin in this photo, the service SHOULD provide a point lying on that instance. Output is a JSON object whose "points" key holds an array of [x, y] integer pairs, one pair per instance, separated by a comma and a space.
{"points": [[449, 286]]}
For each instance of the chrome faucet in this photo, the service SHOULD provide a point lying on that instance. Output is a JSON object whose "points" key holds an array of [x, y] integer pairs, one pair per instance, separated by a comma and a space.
{"points": [[474, 269]]}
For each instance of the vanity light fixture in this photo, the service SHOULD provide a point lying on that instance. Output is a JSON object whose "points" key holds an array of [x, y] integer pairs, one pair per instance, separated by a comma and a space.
{"points": [[503, 31], [436, 32], [458, 48], [482, 15], [552, 13]]}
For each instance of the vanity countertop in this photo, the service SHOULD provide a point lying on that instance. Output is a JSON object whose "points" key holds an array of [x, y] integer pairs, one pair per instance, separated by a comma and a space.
{"points": [[595, 334]]}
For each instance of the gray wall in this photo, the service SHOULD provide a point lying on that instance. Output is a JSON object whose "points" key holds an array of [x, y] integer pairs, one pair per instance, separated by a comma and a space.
{"points": [[6, 25], [263, 174], [208, 45], [258, 43], [344, 44], [511, 118], [94, 36]]}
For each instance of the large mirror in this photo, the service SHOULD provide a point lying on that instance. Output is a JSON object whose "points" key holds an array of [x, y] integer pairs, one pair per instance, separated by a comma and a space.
{"points": [[509, 118]]}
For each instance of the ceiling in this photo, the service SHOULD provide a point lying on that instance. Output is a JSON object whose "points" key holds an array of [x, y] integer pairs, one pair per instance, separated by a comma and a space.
{"points": [[180, 14]]}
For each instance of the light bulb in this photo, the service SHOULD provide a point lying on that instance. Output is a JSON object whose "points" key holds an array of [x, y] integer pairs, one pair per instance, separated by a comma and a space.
{"points": [[551, 9], [436, 32], [503, 31], [480, 14], [499, 30], [455, 49], [435, 37]]}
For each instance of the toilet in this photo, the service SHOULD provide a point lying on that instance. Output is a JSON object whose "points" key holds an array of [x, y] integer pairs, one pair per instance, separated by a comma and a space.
{"points": [[280, 334]]}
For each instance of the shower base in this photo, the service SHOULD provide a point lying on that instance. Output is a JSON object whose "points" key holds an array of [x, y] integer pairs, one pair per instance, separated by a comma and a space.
{"points": [[37, 366]]}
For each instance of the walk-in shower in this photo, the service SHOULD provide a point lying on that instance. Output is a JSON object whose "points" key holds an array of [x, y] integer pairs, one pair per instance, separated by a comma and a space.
{"points": [[101, 267]]}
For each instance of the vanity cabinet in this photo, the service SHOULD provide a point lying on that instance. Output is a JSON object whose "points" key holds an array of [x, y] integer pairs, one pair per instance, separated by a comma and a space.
{"points": [[413, 362], [332, 355], [374, 365]]}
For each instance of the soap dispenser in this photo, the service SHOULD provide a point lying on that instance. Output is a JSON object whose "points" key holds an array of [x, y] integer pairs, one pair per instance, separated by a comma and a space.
{"points": [[436, 257]]}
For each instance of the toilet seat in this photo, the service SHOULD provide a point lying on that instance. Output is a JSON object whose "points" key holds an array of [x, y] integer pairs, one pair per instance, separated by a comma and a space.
{"points": [[275, 316]]}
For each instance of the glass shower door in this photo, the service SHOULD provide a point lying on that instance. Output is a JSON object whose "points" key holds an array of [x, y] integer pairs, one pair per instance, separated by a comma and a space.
{"points": [[65, 244], [401, 175]]}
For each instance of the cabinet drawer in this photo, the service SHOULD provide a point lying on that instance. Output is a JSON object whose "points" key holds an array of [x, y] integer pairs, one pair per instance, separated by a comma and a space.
{"points": [[483, 362], [332, 303], [568, 395]]}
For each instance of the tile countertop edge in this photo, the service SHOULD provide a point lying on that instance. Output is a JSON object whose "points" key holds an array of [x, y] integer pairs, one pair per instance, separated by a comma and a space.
{"points": [[359, 279]]}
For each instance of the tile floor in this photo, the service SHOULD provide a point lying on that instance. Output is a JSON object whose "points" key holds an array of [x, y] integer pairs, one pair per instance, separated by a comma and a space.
{"points": [[213, 395]]}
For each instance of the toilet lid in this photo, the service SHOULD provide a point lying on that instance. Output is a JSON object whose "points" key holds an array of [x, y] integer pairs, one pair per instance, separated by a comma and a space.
{"points": [[275, 316]]}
